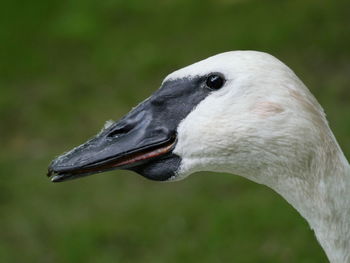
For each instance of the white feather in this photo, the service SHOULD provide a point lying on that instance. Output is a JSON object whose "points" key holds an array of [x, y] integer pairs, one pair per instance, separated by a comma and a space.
{"points": [[265, 125]]}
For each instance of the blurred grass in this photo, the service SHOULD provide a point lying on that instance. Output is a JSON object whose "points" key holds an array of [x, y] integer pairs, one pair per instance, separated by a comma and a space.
{"points": [[67, 66]]}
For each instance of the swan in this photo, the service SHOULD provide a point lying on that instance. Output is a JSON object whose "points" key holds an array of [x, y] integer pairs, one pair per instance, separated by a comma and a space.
{"points": [[239, 112]]}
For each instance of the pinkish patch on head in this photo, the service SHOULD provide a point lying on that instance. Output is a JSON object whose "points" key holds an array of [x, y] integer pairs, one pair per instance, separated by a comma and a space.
{"points": [[266, 108]]}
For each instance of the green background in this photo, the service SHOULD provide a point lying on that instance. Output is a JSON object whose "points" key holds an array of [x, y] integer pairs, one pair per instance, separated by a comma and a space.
{"points": [[68, 66]]}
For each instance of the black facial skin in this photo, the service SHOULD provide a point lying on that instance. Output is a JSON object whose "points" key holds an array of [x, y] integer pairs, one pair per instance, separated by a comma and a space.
{"points": [[149, 126]]}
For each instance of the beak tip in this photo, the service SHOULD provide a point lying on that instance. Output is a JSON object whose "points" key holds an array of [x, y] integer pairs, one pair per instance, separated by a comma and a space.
{"points": [[61, 177], [49, 172], [55, 179]]}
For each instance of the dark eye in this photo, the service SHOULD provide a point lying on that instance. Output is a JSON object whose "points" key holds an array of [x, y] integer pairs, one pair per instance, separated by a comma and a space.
{"points": [[215, 81]]}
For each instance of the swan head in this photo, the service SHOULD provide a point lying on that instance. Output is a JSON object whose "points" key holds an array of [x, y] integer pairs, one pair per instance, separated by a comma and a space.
{"points": [[243, 112]]}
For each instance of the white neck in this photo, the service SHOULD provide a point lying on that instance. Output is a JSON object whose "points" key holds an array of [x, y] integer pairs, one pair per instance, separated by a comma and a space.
{"points": [[322, 197], [265, 125], [331, 218]]}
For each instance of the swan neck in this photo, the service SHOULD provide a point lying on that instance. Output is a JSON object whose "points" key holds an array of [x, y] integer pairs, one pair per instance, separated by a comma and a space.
{"points": [[332, 223], [325, 204]]}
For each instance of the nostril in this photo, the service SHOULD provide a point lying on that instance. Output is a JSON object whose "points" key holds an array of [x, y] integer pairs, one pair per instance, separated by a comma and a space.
{"points": [[120, 131]]}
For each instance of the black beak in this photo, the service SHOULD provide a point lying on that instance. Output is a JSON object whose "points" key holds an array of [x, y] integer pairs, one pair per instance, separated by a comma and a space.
{"points": [[142, 141], [135, 140]]}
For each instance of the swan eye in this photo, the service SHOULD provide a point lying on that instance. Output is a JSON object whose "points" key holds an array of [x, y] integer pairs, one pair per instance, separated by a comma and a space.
{"points": [[215, 81]]}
